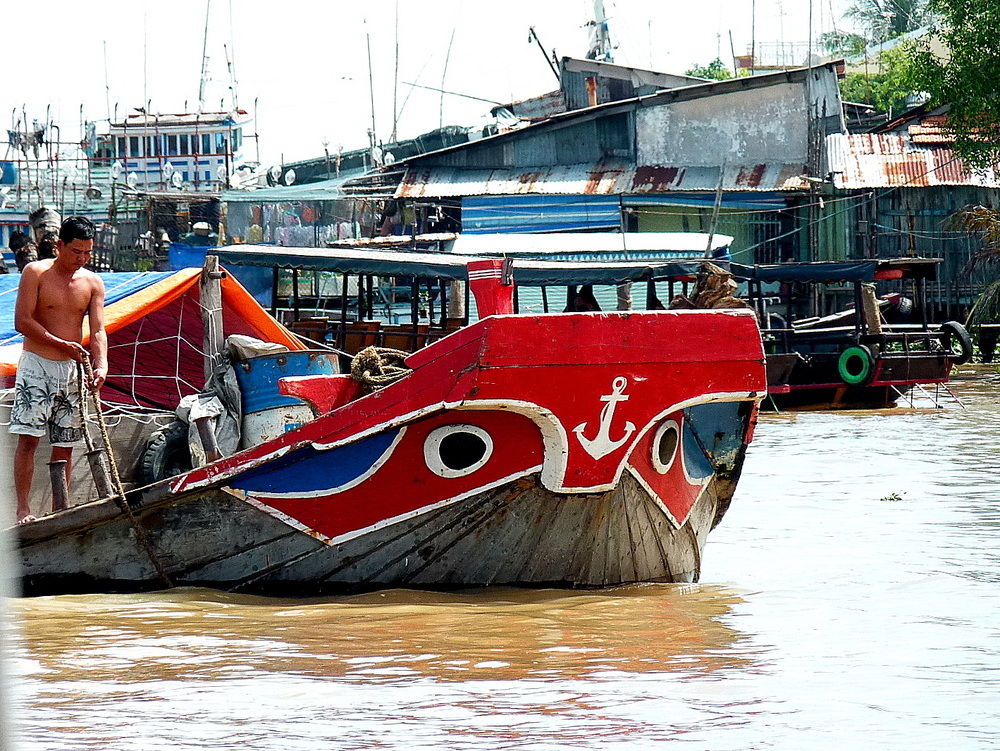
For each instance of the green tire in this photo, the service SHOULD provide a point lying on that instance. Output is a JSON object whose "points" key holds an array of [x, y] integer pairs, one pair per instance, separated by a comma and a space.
{"points": [[856, 365]]}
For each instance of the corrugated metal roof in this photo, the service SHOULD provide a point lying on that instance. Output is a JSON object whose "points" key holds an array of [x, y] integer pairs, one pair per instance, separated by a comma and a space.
{"points": [[893, 161], [604, 178], [322, 190]]}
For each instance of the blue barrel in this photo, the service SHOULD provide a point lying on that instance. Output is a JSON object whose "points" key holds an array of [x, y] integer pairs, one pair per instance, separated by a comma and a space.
{"points": [[266, 412]]}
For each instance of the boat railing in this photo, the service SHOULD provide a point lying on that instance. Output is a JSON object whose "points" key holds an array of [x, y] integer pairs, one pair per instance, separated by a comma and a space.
{"points": [[351, 336], [896, 338]]}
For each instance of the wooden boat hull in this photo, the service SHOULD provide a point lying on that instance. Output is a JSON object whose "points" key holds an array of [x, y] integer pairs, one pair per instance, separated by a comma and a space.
{"points": [[490, 463], [815, 382], [516, 534]]}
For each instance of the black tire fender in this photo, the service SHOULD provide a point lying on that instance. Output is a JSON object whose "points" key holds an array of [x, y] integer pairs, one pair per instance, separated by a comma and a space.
{"points": [[166, 453], [952, 333]]}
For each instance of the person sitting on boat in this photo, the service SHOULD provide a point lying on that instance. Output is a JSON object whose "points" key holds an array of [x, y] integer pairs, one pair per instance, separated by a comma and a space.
{"points": [[202, 236], [47, 246], [582, 300], [24, 249], [53, 297]]}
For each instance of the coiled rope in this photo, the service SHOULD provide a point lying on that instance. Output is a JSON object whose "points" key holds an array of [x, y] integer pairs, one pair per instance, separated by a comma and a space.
{"points": [[86, 369], [377, 367]]}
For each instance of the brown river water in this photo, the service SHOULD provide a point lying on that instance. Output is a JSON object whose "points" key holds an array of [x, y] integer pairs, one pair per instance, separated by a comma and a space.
{"points": [[849, 600]]}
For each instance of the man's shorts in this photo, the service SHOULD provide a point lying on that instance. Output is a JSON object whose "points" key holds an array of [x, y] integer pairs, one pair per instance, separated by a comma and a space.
{"points": [[47, 399]]}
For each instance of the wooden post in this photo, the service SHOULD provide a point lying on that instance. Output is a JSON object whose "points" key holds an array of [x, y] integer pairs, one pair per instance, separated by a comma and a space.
{"points": [[211, 314]]}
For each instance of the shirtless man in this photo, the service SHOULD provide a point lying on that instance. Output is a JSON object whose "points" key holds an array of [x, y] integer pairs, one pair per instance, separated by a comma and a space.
{"points": [[52, 299]]}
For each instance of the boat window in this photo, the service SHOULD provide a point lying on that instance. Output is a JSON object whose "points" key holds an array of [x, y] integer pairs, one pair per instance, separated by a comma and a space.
{"points": [[220, 143], [206, 143], [133, 145], [457, 450], [172, 145], [665, 444], [121, 147], [237, 139], [185, 147]]}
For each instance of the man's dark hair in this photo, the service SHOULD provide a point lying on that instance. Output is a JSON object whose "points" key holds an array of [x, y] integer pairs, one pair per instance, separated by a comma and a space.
{"points": [[76, 228], [47, 246], [17, 240]]}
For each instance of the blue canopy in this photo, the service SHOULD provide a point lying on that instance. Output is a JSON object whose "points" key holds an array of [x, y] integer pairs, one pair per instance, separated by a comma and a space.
{"points": [[117, 286], [398, 263]]}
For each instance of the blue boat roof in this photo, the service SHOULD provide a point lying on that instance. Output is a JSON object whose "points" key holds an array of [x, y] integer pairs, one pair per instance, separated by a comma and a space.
{"points": [[117, 286], [530, 272]]}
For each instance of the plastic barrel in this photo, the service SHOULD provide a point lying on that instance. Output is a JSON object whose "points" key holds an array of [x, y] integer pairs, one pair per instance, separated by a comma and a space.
{"points": [[266, 412]]}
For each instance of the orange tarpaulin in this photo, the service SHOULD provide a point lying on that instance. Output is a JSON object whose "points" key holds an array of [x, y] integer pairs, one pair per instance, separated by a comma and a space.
{"points": [[155, 334]]}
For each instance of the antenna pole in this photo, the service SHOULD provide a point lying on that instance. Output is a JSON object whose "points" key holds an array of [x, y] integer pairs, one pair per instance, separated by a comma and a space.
{"points": [[232, 65], [444, 74], [532, 34], [107, 86], [395, 86], [371, 84], [204, 60], [600, 47]]}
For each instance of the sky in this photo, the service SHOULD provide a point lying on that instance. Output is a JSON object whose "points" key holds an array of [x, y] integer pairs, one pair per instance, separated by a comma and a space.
{"points": [[301, 67]]}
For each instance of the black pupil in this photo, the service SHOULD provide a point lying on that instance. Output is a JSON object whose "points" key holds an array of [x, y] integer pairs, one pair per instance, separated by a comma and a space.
{"points": [[462, 450], [668, 442]]}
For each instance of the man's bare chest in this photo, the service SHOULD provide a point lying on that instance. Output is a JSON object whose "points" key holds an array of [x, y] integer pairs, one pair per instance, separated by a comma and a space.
{"points": [[69, 298]]}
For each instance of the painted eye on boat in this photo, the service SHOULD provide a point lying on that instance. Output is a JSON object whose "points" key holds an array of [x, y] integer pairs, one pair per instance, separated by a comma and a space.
{"points": [[457, 450], [665, 444]]}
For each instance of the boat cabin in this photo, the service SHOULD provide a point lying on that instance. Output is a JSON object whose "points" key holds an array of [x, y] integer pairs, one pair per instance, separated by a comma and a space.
{"points": [[191, 151], [406, 298]]}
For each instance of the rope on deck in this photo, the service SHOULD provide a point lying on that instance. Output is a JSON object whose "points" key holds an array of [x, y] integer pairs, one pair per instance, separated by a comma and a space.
{"points": [[377, 367]]}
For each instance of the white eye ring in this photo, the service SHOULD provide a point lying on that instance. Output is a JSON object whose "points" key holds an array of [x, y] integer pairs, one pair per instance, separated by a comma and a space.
{"points": [[666, 444], [448, 456]]}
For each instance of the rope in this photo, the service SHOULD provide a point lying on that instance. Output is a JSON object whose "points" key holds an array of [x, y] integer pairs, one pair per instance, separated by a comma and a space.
{"points": [[85, 368], [377, 367]]}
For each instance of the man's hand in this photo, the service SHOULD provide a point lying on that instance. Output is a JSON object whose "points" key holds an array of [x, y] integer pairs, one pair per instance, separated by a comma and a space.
{"points": [[100, 375], [74, 350]]}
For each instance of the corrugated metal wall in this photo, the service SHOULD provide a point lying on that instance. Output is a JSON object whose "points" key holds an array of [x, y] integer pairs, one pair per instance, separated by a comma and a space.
{"points": [[538, 213]]}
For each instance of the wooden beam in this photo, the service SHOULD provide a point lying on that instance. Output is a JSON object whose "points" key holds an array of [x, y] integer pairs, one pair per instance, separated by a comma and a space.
{"points": [[211, 314]]}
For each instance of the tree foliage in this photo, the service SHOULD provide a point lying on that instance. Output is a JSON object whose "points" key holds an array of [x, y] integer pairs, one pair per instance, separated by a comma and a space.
{"points": [[882, 20], [983, 221], [715, 70], [967, 78], [888, 88]]}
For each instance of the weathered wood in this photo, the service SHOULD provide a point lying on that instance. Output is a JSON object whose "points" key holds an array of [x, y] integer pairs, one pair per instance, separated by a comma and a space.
{"points": [[211, 314], [568, 491]]}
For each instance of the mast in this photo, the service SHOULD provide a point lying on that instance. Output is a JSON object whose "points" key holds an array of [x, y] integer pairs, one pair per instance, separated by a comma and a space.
{"points": [[204, 60], [600, 39]]}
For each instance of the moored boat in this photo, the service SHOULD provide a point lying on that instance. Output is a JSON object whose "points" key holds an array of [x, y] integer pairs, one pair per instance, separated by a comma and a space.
{"points": [[870, 354], [571, 449]]}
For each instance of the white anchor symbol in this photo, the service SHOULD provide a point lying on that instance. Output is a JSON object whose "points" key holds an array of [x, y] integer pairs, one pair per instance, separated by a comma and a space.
{"points": [[602, 445]]}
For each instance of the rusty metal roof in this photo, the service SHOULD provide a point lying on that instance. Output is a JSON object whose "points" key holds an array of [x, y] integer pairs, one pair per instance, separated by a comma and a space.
{"points": [[603, 178], [868, 160]]}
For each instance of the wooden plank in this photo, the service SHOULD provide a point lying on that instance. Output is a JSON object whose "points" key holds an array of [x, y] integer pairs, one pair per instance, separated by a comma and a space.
{"points": [[211, 314]]}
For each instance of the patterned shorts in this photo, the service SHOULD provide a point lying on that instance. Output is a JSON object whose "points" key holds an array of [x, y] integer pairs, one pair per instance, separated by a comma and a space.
{"points": [[47, 399]]}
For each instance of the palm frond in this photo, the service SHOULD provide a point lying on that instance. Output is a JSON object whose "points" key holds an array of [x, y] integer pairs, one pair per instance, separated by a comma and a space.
{"points": [[986, 308], [985, 222]]}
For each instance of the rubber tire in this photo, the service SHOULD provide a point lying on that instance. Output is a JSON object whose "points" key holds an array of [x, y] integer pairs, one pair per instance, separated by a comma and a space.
{"points": [[166, 454], [867, 372], [952, 332]]}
